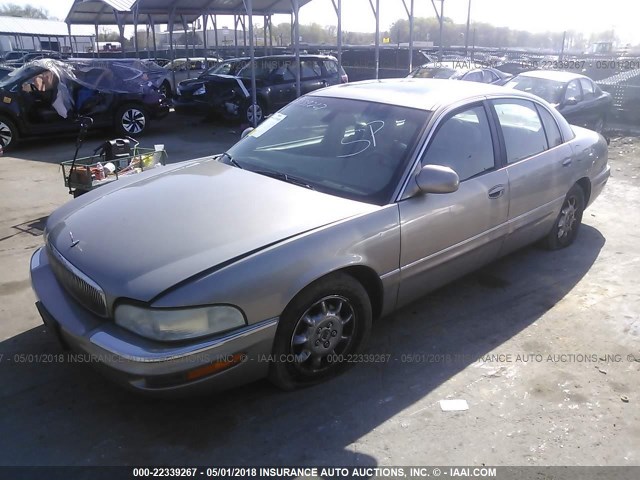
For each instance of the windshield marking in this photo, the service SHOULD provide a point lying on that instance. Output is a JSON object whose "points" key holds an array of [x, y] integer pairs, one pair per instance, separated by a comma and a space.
{"points": [[367, 143]]}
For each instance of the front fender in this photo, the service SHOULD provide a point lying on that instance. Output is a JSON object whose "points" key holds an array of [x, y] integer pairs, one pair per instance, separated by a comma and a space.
{"points": [[263, 284]]}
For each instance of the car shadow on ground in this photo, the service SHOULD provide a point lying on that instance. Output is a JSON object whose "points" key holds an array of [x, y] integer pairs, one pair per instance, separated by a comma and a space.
{"points": [[60, 413]]}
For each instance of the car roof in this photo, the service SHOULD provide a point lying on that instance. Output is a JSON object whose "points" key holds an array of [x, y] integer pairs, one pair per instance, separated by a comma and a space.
{"points": [[552, 75], [431, 93]]}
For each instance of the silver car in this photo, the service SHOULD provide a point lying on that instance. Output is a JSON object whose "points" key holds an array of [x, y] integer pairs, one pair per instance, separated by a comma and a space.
{"points": [[273, 258]]}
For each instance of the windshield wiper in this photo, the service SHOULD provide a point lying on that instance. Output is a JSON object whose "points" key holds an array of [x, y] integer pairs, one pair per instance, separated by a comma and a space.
{"points": [[232, 161], [285, 177]]}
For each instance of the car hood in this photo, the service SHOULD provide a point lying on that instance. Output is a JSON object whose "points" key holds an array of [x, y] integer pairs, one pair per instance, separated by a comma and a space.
{"points": [[142, 238]]}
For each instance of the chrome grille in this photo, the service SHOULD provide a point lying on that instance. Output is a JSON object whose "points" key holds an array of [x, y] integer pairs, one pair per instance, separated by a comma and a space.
{"points": [[82, 288]]}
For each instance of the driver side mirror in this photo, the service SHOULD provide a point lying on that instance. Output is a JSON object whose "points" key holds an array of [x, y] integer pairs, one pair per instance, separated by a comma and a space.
{"points": [[437, 179]]}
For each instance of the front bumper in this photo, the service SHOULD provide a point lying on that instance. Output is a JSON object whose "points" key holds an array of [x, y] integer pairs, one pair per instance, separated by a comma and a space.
{"points": [[192, 105], [143, 364]]}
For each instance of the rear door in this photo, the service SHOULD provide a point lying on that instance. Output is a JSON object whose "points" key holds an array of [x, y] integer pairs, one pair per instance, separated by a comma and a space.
{"points": [[311, 76], [539, 167], [447, 235]]}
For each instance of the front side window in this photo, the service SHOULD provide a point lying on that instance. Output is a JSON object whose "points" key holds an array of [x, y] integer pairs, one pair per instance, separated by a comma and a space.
{"points": [[574, 92], [588, 91], [349, 148], [521, 127], [550, 90], [463, 142], [475, 76]]}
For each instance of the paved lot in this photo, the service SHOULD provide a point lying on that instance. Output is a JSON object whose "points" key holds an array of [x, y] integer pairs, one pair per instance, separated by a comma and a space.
{"points": [[540, 344]]}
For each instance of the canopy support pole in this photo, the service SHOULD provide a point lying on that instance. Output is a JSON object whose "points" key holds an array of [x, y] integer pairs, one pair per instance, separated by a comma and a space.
{"points": [[338, 8], [153, 36], [205, 20], [214, 19], [410, 15], [96, 47], [172, 53], [236, 19], [120, 22], [248, 5], [296, 31], [135, 29], [70, 44], [376, 11]]}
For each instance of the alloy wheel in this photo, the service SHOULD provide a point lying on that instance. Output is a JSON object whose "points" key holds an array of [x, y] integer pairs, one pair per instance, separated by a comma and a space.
{"points": [[259, 113], [567, 220], [6, 136], [326, 329], [133, 121]]}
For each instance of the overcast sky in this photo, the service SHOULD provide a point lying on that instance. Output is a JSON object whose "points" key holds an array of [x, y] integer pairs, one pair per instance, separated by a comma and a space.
{"points": [[532, 15]]}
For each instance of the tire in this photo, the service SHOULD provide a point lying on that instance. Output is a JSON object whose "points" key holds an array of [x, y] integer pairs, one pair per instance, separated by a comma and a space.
{"points": [[566, 226], [327, 321], [8, 134], [248, 113], [132, 120]]}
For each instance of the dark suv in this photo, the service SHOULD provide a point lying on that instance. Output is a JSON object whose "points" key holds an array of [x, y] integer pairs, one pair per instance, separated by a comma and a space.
{"points": [[230, 96]]}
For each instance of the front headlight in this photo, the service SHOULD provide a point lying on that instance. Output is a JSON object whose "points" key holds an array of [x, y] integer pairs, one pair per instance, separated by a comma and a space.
{"points": [[201, 91], [178, 324]]}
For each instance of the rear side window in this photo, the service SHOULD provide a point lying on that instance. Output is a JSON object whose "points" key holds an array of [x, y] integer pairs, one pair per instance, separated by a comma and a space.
{"points": [[310, 69], [331, 67], [550, 127], [489, 76], [475, 76], [521, 128], [463, 143]]}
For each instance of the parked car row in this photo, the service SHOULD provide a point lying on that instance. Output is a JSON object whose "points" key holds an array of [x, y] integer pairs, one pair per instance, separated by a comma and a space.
{"points": [[123, 90]]}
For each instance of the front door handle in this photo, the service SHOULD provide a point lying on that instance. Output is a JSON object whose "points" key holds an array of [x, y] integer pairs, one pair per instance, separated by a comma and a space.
{"points": [[496, 192]]}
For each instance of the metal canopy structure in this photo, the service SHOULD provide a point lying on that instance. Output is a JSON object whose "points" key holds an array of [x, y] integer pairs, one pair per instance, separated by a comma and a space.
{"points": [[101, 12], [152, 12]]}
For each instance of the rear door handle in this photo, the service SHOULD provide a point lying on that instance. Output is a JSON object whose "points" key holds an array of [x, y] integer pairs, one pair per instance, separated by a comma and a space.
{"points": [[567, 161], [496, 192]]}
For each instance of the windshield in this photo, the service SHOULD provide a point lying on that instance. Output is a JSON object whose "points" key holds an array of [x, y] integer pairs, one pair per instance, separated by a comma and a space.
{"points": [[349, 148], [549, 90], [25, 71], [225, 68], [434, 72]]}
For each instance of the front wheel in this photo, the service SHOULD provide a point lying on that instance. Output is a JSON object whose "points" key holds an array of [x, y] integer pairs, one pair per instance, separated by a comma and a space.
{"points": [[131, 120], [568, 223], [8, 134], [322, 327]]}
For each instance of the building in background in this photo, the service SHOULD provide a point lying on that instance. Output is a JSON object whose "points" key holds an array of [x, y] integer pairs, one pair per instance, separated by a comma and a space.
{"points": [[19, 33]]}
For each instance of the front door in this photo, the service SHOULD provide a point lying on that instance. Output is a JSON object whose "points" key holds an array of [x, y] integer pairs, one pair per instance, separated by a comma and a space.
{"points": [[447, 235]]}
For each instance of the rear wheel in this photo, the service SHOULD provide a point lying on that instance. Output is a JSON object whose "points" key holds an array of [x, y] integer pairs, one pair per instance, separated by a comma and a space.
{"points": [[568, 223], [8, 134], [132, 120], [324, 324], [260, 112]]}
